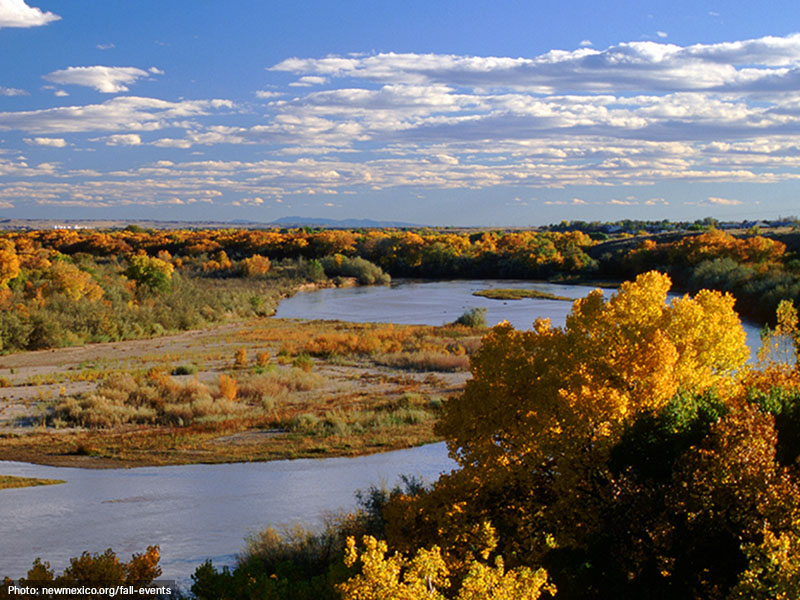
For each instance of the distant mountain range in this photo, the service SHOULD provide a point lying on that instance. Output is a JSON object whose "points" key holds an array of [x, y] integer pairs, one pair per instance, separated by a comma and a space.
{"points": [[340, 223], [12, 224]]}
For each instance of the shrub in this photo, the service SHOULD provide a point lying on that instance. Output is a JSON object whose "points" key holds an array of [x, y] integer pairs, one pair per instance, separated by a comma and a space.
{"points": [[278, 383], [303, 362], [240, 360], [263, 358], [227, 386], [152, 273], [255, 266], [474, 317], [155, 399], [105, 569], [365, 272]]}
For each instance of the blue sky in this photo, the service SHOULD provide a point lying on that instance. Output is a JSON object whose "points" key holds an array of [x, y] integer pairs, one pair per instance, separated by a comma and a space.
{"points": [[437, 112]]}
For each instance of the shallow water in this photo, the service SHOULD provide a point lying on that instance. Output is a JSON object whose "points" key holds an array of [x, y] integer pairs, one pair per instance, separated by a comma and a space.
{"points": [[193, 512], [440, 302]]}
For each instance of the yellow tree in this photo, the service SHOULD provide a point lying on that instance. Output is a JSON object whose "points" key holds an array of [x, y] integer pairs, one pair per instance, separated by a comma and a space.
{"points": [[67, 279], [535, 426], [9, 262], [425, 576], [152, 273], [536, 393]]}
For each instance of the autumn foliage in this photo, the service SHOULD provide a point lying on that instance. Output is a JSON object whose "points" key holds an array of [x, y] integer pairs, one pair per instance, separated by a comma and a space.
{"points": [[626, 453], [98, 570], [758, 271]]}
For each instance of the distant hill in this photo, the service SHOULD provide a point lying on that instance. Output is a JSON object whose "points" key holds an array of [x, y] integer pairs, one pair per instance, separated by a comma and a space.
{"points": [[340, 223]]}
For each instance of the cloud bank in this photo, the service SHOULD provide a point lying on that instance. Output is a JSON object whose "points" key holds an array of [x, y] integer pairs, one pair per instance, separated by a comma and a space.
{"points": [[637, 113]]}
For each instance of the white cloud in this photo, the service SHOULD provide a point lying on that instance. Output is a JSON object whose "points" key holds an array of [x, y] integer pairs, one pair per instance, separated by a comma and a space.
{"points": [[724, 201], [6, 91], [257, 201], [172, 143], [108, 46], [309, 80], [124, 113], [42, 141], [662, 34], [573, 202], [15, 13], [634, 66], [585, 43], [635, 113], [108, 80], [123, 139], [266, 94]]}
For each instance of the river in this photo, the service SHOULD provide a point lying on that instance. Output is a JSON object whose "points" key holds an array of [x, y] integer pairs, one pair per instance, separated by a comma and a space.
{"points": [[193, 512], [440, 302]]}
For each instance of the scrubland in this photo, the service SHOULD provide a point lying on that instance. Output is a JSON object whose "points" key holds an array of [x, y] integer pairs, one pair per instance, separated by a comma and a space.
{"points": [[254, 390]]}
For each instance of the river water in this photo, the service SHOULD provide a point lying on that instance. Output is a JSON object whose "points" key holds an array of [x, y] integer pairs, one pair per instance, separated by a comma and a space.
{"points": [[197, 512], [193, 512], [440, 302]]}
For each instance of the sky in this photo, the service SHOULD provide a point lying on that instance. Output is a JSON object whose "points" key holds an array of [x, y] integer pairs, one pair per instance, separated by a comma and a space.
{"points": [[465, 113]]}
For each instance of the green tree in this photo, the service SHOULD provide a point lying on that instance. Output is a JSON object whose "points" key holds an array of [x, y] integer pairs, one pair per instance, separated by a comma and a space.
{"points": [[151, 273]]}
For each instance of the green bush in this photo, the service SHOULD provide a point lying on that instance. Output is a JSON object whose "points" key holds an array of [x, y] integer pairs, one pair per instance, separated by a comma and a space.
{"points": [[474, 317], [365, 272]]}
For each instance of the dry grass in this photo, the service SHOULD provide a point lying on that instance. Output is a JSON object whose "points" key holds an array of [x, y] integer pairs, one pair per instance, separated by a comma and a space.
{"points": [[155, 399], [424, 361], [278, 385], [325, 339]]}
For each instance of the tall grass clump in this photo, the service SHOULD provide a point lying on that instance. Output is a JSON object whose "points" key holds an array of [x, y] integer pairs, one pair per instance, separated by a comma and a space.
{"points": [[424, 361]]}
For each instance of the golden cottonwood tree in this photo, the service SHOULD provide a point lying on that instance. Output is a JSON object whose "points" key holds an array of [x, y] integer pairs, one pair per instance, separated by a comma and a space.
{"points": [[535, 429], [536, 395], [9, 262], [426, 576]]}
